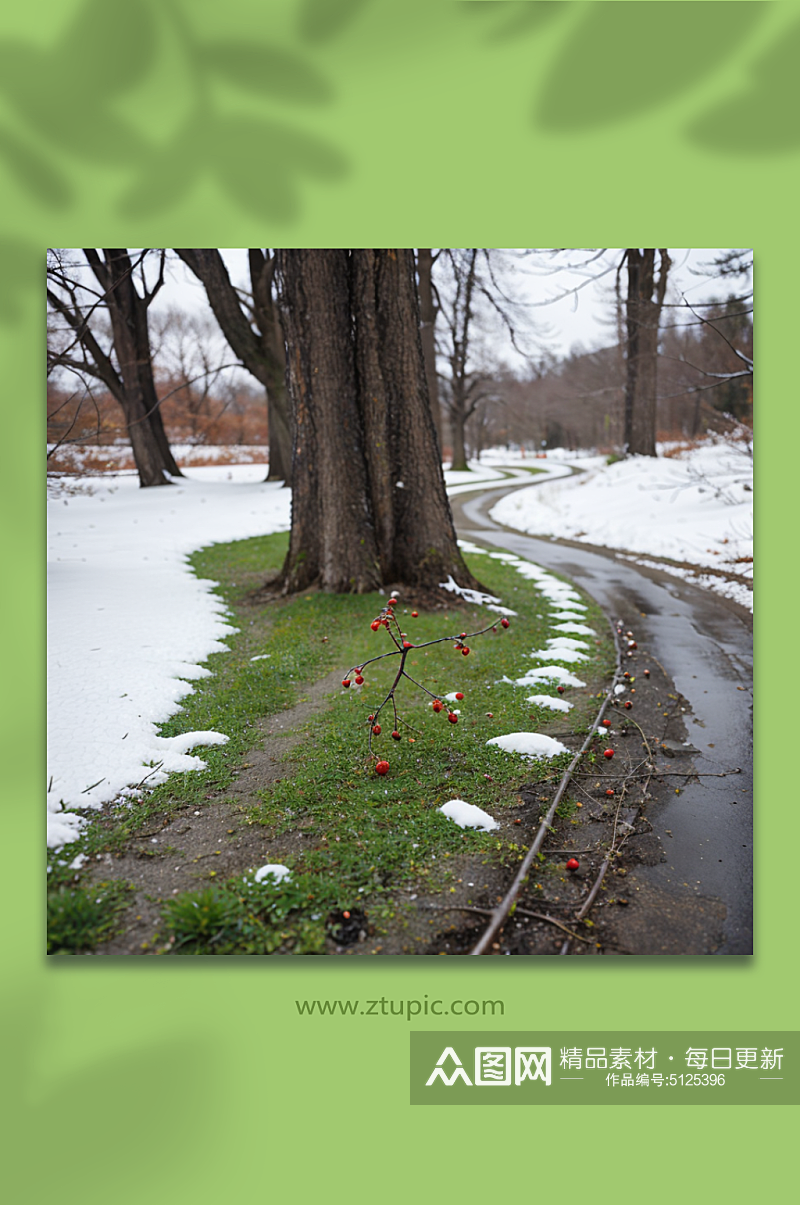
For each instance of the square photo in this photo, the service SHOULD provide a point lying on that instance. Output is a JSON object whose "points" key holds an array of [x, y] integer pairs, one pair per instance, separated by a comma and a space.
{"points": [[400, 602]]}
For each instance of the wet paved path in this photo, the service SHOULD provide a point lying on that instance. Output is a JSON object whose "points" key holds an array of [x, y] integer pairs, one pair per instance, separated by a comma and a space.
{"points": [[704, 644]]}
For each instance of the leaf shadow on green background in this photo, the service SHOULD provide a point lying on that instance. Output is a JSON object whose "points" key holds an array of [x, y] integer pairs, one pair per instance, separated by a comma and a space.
{"points": [[625, 59], [319, 21], [762, 119], [267, 70], [161, 1091], [509, 18], [21, 266], [63, 113], [64, 95]]}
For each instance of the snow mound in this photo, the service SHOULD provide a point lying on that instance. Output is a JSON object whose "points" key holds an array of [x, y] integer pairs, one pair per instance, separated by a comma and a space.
{"points": [[549, 701], [529, 744], [466, 815], [561, 651], [272, 871], [545, 672], [578, 629]]}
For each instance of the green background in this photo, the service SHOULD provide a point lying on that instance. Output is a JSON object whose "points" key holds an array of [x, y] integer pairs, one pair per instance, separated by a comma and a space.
{"points": [[490, 125]]}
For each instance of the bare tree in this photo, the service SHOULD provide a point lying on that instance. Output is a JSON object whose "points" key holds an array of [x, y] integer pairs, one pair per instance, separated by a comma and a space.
{"points": [[428, 311], [644, 300], [473, 297], [260, 350], [124, 366]]}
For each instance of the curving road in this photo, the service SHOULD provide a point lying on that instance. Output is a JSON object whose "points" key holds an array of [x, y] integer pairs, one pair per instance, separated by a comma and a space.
{"points": [[704, 644]]}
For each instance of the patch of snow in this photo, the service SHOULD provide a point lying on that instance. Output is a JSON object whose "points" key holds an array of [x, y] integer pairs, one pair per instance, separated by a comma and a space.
{"points": [[477, 597], [273, 871], [129, 623], [561, 654], [549, 701], [579, 629], [694, 507], [466, 815], [546, 672], [529, 744]]}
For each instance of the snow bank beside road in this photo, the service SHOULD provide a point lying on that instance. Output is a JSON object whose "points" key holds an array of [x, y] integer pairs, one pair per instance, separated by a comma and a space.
{"points": [[695, 507]]}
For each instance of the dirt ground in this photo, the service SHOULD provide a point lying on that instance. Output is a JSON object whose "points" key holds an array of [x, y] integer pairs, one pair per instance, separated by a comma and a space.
{"points": [[631, 914]]}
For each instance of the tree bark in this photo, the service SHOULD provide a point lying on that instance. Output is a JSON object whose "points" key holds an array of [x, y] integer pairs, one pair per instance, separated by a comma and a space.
{"points": [[427, 330], [369, 506], [332, 542], [424, 549], [642, 315]]}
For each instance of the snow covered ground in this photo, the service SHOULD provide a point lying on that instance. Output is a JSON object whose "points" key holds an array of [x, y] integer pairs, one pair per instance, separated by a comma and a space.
{"points": [[128, 623], [694, 507]]}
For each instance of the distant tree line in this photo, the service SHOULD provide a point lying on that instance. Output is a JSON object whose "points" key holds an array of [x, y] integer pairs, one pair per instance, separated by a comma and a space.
{"points": [[361, 368]]}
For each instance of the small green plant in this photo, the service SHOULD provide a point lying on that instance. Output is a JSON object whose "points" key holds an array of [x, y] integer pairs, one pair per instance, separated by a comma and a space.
{"points": [[200, 917], [80, 918]]}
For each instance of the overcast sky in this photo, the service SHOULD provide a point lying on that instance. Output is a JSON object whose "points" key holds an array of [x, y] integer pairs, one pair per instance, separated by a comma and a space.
{"points": [[579, 319]]}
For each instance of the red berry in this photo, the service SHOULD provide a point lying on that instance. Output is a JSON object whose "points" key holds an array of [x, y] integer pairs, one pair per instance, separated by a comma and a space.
{"points": [[437, 705], [452, 717], [607, 723], [407, 644], [462, 635], [560, 689], [346, 915], [382, 767], [504, 623], [376, 623], [359, 680], [392, 602], [370, 718], [609, 753], [610, 791], [465, 651], [573, 864], [628, 704], [459, 695], [396, 736], [345, 681], [414, 614], [376, 729]]}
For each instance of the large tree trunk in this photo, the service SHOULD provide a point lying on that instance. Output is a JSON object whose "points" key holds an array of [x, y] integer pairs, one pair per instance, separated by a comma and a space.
{"points": [[427, 331], [642, 316], [128, 313], [332, 542], [424, 551], [369, 506]]}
